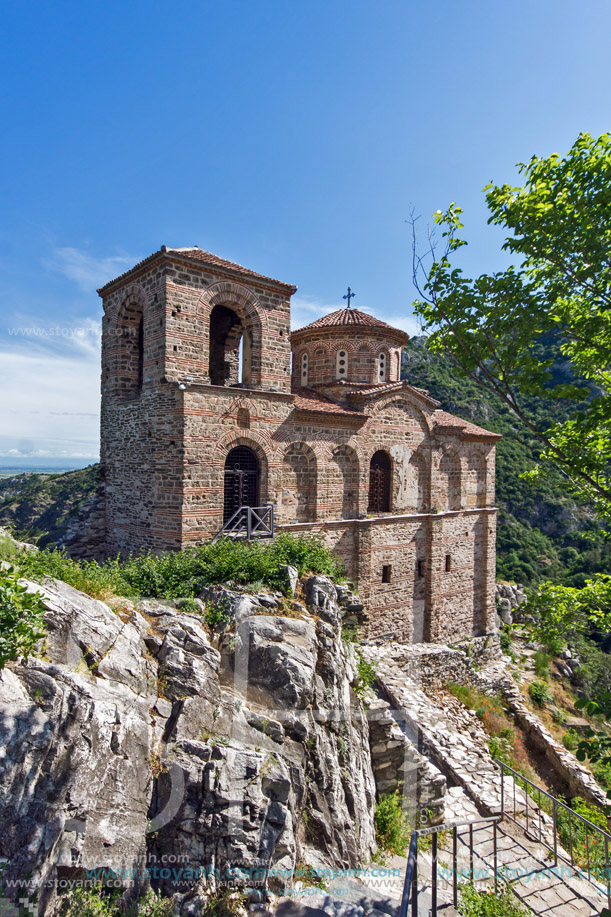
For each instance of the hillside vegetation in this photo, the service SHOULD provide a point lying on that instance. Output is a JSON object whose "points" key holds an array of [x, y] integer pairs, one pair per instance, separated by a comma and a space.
{"points": [[542, 533], [39, 507]]}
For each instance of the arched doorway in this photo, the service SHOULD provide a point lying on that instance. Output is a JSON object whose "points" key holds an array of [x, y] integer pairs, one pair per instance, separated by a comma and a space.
{"points": [[379, 483], [241, 480]]}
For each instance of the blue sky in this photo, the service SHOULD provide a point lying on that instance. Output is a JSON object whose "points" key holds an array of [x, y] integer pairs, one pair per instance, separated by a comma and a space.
{"points": [[291, 137]]}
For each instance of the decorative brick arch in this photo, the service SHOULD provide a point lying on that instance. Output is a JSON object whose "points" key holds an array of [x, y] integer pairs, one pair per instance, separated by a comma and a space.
{"points": [[409, 406], [420, 467], [127, 342], [346, 496], [253, 324], [475, 473], [299, 483], [450, 478]]}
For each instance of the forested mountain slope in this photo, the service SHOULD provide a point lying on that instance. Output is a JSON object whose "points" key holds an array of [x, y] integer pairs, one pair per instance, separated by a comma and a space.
{"points": [[542, 533], [39, 507]]}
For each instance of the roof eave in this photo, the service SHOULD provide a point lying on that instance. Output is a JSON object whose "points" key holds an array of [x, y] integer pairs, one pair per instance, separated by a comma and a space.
{"points": [[172, 255], [403, 387]]}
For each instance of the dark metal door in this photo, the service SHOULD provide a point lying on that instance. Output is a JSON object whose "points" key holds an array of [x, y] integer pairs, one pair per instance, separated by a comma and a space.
{"points": [[241, 480], [379, 483]]}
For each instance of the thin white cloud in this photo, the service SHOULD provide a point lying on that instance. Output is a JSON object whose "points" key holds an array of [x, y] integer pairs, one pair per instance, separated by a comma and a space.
{"points": [[51, 403], [87, 271]]}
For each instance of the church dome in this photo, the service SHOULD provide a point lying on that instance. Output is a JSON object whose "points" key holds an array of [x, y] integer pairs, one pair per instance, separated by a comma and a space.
{"points": [[347, 346]]}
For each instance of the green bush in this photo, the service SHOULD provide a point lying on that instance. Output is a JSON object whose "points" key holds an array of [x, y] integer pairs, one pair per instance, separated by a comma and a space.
{"points": [[183, 574], [21, 618], [226, 903], [539, 693], [216, 614], [100, 902], [587, 844], [97, 580], [502, 749], [505, 640], [153, 905], [476, 902], [90, 902], [366, 675], [189, 605], [392, 829], [571, 740]]}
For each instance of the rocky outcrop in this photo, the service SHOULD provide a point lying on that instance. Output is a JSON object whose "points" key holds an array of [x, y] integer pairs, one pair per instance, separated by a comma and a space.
{"points": [[509, 598], [139, 742]]}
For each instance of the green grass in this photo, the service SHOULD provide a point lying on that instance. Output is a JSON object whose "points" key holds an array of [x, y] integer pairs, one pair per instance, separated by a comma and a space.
{"points": [[392, 828], [184, 574], [542, 664], [476, 902]]}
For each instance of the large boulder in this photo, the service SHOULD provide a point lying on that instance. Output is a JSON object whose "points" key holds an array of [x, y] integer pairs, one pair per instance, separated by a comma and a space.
{"points": [[138, 735]]}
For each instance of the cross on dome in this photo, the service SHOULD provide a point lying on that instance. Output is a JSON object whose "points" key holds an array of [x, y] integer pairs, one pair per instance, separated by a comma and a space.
{"points": [[349, 295]]}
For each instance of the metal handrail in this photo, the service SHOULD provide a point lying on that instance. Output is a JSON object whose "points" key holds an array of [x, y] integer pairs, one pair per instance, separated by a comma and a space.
{"points": [[410, 886], [555, 803], [255, 521]]}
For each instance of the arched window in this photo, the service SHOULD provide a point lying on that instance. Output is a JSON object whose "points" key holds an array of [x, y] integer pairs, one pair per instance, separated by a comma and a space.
{"points": [[230, 348], [383, 367], [241, 480], [341, 364], [304, 369], [379, 483], [130, 374]]}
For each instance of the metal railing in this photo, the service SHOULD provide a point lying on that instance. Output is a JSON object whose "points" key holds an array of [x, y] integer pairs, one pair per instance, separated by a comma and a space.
{"points": [[596, 839], [409, 900], [252, 521]]}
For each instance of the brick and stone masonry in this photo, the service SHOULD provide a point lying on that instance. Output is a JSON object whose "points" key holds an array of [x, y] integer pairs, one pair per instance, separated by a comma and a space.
{"points": [[198, 360]]}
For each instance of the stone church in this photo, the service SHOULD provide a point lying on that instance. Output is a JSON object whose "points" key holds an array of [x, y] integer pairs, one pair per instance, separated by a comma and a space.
{"points": [[211, 404]]}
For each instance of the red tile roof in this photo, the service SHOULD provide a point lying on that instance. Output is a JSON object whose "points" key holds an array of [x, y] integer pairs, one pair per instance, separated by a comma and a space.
{"points": [[383, 387], [353, 317], [443, 420], [194, 253], [315, 402]]}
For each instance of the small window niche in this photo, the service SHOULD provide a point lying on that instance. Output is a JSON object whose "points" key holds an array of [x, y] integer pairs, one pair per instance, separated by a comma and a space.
{"points": [[448, 563], [387, 573], [382, 367], [420, 569]]}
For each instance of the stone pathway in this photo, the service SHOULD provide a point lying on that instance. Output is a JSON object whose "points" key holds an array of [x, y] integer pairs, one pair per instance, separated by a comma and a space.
{"points": [[459, 749], [456, 742], [553, 891]]}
